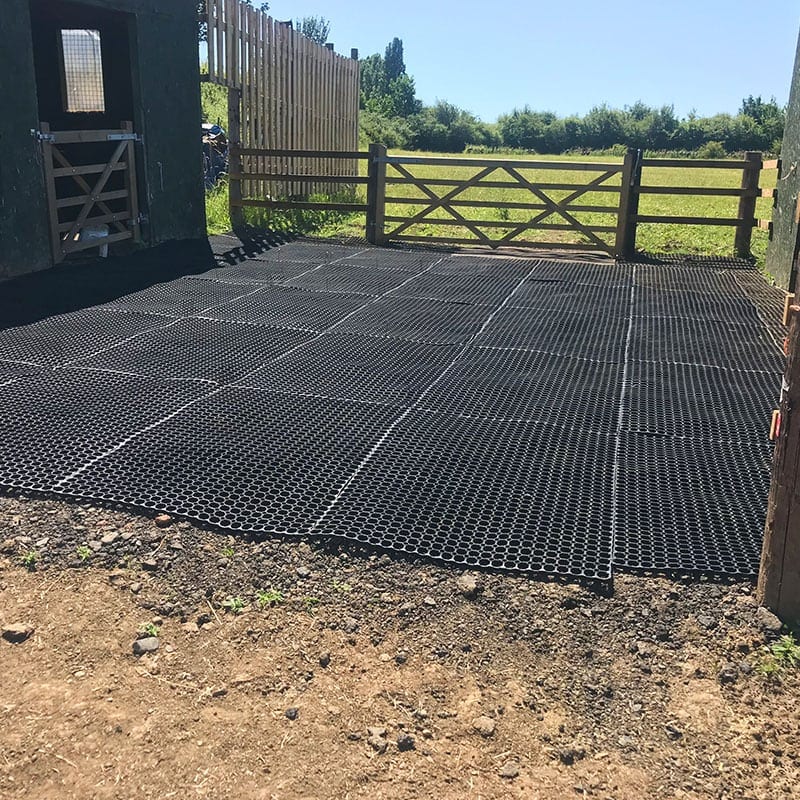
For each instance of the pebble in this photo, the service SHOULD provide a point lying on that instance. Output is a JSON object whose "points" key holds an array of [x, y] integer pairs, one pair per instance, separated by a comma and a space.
{"points": [[728, 674], [324, 660], [767, 621], [303, 572], [147, 645], [429, 601], [509, 770], [110, 538], [405, 743], [17, 632], [484, 725], [163, 520], [569, 755], [673, 732], [469, 585], [704, 621], [401, 658], [377, 744], [149, 564], [136, 587], [96, 545], [291, 713], [350, 625]]}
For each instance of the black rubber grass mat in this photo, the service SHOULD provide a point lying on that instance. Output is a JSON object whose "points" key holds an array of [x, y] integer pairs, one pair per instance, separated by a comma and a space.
{"points": [[349, 279], [652, 302], [582, 273], [180, 298], [693, 341], [242, 459], [56, 341], [430, 321], [285, 307], [483, 267], [198, 349], [550, 295], [357, 368], [692, 505], [585, 334], [701, 403], [53, 423], [478, 290], [259, 272], [12, 370], [323, 252], [516, 488], [531, 386], [396, 261], [686, 279]]}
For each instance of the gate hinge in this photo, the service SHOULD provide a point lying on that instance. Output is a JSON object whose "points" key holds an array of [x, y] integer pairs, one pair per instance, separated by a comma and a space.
{"points": [[125, 137], [42, 137]]}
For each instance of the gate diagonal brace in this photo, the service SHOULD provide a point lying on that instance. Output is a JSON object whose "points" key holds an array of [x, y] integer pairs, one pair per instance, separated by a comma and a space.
{"points": [[442, 202], [62, 160], [555, 208], [98, 188], [568, 200]]}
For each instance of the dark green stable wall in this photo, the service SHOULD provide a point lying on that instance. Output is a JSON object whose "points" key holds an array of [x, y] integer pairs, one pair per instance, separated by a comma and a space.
{"points": [[166, 85], [24, 243], [781, 250]]}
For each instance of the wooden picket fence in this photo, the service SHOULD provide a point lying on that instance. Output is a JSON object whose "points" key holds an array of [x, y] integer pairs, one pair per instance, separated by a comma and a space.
{"points": [[293, 94]]}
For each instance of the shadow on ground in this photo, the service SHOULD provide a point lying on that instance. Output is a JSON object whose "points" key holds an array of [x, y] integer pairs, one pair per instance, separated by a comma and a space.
{"points": [[74, 285]]}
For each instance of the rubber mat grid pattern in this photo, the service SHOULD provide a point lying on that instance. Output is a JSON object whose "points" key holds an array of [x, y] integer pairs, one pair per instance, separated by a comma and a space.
{"points": [[534, 415]]}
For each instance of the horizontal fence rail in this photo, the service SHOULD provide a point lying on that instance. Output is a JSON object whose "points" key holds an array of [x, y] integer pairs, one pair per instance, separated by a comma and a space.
{"points": [[552, 204], [288, 189]]}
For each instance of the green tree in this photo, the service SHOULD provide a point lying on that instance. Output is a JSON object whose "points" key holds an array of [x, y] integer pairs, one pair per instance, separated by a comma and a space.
{"points": [[394, 66], [315, 28]]}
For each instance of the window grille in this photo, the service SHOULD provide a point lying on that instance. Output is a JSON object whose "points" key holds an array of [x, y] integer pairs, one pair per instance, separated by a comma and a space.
{"points": [[82, 63]]}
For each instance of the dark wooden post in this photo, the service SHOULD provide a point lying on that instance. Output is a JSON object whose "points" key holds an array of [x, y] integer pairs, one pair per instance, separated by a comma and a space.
{"points": [[235, 159], [747, 204], [376, 194], [779, 576], [625, 246]]}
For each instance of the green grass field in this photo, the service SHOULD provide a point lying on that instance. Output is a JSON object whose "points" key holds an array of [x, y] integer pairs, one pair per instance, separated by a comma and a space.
{"points": [[654, 238]]}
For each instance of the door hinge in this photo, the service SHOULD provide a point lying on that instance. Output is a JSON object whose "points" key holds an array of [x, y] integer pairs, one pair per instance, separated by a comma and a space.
{"points": [[42, 137], [125, 137]]}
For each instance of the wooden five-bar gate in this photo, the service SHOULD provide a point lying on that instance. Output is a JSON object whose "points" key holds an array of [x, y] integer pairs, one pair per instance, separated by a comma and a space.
{"points": [[91, 187], [545, 204]]}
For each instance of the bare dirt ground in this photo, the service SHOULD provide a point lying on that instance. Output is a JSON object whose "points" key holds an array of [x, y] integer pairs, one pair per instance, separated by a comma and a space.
{"points": [[366, 675]]}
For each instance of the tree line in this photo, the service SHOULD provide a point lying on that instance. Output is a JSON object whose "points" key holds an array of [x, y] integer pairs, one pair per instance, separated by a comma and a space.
{"points": [[392, 114]]}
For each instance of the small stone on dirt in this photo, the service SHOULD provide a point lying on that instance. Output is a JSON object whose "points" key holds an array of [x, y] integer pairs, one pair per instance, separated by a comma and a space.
{"points": [[191, 627], [377, 731], [110, 538], [509, 770], [163, 520], [429, 601], [325, 660], [291, 713], [470, 586], [767, 621], [377, 744], [569, 755], [303, 572], [484, 725], [136, 587], [673, 732], [150, 564], [147, 645], [707, 622], [350, 625], [17, 632], [405, 743], [728, 674]]}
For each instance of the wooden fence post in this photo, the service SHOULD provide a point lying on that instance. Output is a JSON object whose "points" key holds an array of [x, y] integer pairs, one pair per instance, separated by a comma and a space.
{"points": [[779, 576], [747, 204], [625, 246], [376, 194], [235, 159]]}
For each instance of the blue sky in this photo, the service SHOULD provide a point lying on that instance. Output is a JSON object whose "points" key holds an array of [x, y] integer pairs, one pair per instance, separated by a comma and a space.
{"points": [[568, 55]]}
